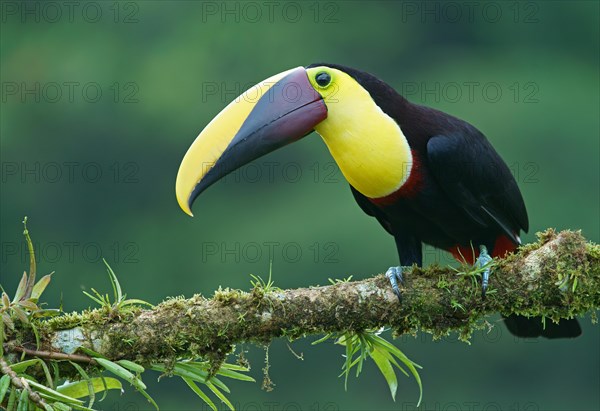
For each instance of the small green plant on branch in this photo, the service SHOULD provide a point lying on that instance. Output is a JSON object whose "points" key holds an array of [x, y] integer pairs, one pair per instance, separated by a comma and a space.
{"points": [[37, 383], [369, 344]]}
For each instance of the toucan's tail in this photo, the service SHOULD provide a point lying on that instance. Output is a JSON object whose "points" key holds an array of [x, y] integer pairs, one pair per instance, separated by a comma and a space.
{"points": [[532, 327]]}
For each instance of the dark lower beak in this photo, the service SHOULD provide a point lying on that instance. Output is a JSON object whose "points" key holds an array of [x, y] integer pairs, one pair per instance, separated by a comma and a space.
{"points": [[288, 109]]}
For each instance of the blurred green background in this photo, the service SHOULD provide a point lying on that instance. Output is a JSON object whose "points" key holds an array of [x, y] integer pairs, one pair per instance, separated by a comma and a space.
{"points": [[100, 100]]}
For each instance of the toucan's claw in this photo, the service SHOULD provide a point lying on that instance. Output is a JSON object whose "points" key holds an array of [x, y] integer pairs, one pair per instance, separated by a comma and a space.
{"points": [[394, 274], [483, 260]]}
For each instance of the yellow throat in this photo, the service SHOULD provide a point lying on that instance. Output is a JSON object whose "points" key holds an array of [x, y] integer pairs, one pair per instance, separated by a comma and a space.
{"points": [[367, 144]]}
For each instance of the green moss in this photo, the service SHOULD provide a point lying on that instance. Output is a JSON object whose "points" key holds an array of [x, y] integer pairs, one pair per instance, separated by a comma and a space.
{"points": [[227, 296], [593, 250]]}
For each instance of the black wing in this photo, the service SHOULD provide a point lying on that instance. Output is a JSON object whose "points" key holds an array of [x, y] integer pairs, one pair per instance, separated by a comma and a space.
{"points": [[473, 175], [371, 209]]}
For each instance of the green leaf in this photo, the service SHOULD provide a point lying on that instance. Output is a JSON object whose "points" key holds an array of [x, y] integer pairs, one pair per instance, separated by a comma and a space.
{"points": [[7, 321], [22, 315], [134, 380], [365, 344], [86, 379], [28, 305], [202, 373], [149, 398], [32, 264], [198, 372], [114, 282], [46, 373], [386, 370], [21, 288], [56, 371], [91, 352], [219, 394], [134, 301], [131, 366], [121, 372], [36, 333], [199, 393], [396, 351], [61, 407], [195, 374], [348, 364], [46, 312], [5, 300], [219, 384], [22, 366], [4, 384], [234, 367], [68, 407], [392, 360], [235, 375], [23, 403], [320, 340], [79, 389], [365, 348], [54, 395], [11, 400], [40, 286], [97, 300], [412, 366]]}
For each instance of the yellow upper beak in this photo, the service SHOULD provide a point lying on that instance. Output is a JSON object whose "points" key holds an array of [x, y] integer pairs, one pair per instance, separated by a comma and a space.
{"points": [[214, 139], [253, 124]]}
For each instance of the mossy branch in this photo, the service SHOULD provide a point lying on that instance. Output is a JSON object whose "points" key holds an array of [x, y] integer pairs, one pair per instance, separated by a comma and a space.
{"points": [[556, 277]]}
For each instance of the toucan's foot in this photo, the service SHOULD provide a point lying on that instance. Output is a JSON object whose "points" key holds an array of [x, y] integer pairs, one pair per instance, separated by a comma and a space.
{"points": [[394, 274], [483, 260]]}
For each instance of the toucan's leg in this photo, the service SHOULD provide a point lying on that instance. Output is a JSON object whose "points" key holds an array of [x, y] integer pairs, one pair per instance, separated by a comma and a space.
{"points": [[394, 274], [483, 259], [409, 252]]}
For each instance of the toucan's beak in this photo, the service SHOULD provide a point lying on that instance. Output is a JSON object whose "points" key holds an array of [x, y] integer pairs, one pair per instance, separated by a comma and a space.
{"points": [[275, 112]]}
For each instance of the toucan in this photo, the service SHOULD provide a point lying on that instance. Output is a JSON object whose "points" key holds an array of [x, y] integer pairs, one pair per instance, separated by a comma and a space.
{"points": [[426, 176]]}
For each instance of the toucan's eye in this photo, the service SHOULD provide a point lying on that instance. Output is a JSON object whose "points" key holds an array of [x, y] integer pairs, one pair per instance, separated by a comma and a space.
{"points": [[323, 79]]}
